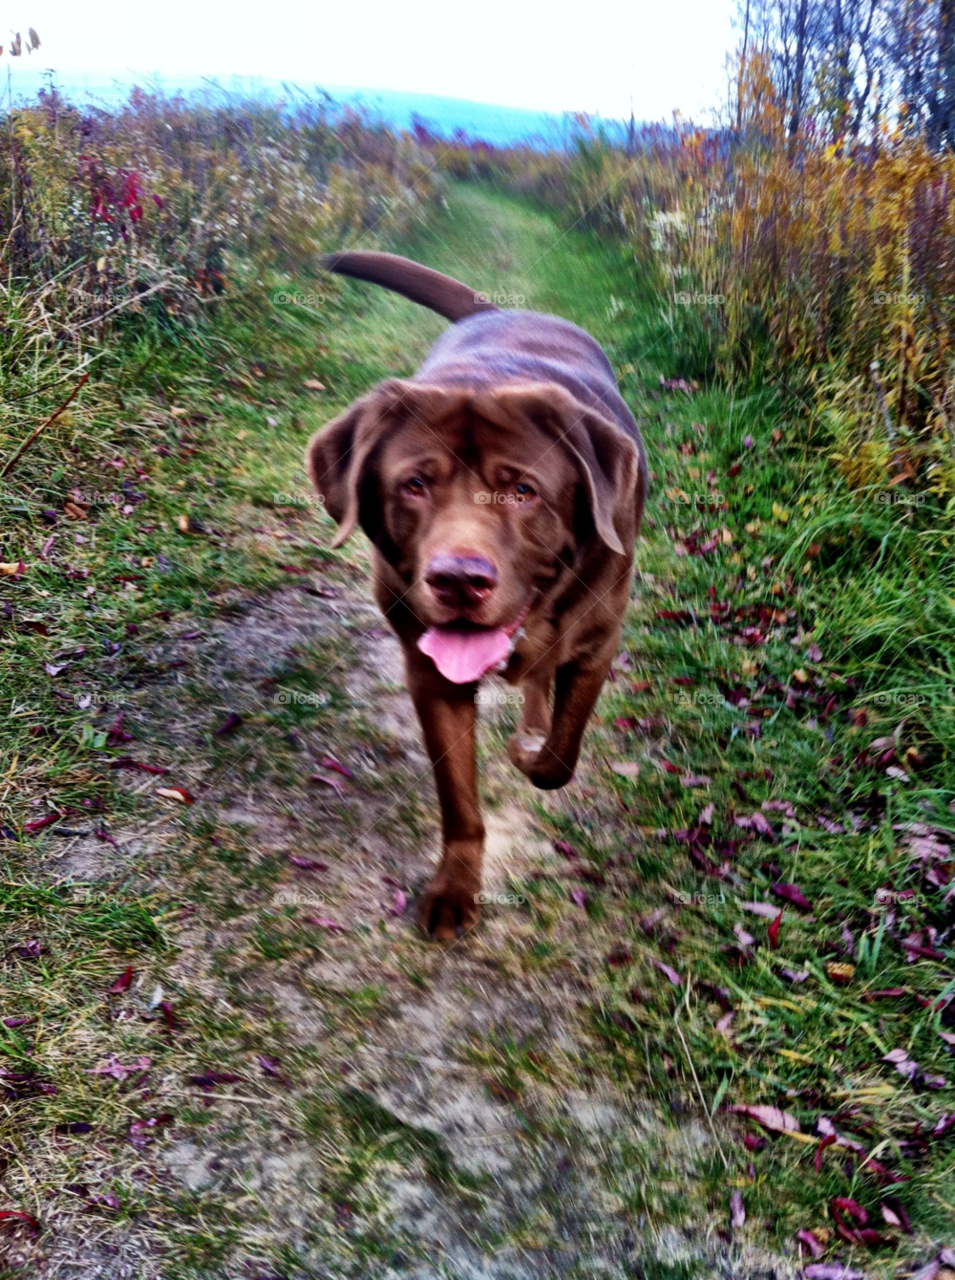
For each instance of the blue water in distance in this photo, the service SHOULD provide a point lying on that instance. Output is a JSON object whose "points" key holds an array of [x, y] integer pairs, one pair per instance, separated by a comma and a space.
{"points": [[498, 125]]}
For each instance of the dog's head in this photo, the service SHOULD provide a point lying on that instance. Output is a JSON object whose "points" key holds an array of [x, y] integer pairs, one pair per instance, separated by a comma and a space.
{"points": [[479, 500]]}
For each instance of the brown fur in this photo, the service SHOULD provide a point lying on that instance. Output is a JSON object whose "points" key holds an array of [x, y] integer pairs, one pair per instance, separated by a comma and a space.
{"points": [[524, 406]]}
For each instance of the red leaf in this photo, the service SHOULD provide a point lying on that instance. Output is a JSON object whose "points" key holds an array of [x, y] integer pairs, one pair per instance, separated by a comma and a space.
{"points": [[828, 1141], [122, 982], [176, 793], [792, 893], [40, 823], [852, 1207], [18, 1216], [330, 763], [229, 725], [774, 932]]}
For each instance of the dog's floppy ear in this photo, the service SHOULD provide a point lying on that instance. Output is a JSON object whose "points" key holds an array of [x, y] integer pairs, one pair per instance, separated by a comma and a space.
{"points": [[337, 453], [607, 458]]}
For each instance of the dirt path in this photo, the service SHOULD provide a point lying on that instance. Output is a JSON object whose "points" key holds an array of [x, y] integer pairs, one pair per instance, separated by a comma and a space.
{"points": [[345, 1098]]}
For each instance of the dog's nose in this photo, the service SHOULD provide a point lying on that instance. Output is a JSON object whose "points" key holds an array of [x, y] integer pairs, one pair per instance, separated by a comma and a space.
{"points": [[461, 578]]}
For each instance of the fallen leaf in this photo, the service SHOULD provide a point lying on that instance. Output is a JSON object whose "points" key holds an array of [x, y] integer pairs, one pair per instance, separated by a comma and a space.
{"points": [[119, 1070], [769, 1117], [313, 384], [323, 922], [774, 932], [831, 1271], [809, 1240], [229, 725], [329, 762], [791, 893], [737, 1210], [122, 982], [176, 793], [841, 973], [626, 768], [670, 974], [764, 909], [307, 864], [17, 1215]]}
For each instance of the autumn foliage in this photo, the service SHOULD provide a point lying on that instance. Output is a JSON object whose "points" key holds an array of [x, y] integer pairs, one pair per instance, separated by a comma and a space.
{"points": [[806, 259]]}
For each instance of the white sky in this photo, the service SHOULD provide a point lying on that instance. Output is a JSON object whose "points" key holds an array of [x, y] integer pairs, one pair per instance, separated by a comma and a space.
{"points": [[576, 55]]}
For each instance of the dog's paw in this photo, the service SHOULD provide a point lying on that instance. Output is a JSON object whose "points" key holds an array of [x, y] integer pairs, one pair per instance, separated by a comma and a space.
{"points": [[541, 766], [448, 909]]}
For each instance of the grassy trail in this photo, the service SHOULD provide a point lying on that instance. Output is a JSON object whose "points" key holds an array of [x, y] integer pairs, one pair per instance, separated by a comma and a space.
{"points": [[325, 1093]]}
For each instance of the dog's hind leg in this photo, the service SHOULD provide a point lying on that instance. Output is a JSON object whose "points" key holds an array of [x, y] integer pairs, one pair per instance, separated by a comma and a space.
{"points": [[450, 903]]}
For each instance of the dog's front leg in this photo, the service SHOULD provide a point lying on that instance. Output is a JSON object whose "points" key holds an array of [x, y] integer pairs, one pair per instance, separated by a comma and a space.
{"points": [[576, 689], [448, 716]]}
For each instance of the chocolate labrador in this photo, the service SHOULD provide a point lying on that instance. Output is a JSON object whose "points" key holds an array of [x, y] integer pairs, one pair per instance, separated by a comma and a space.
{"points": [[502, 488]]}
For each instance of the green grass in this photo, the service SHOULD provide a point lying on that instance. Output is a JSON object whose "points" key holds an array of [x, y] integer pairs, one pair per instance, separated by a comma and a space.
{"points": [[803, 561]]}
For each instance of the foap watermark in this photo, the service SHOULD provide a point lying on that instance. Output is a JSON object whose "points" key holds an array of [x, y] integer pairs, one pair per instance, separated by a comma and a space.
{"points": [[699, 899], [295, 697], [704, 699], [298, 499], [297, 298], [99, 699], [892, 497], [899, 898], [696, 499], [897, 298], [485, 499], [898, 699], [500, 899], [487, 696], [501, 298], [687, 299], [297, 898]]}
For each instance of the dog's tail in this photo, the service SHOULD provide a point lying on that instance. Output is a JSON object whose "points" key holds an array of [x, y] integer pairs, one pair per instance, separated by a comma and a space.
{"points": [[448, 297]]}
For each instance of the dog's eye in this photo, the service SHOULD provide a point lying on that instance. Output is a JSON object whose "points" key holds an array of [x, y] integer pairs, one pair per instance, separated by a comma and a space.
{"points": [[415, 487], [525, 492]]}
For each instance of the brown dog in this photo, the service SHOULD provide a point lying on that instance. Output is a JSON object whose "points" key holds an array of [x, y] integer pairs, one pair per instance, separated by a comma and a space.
{"points": [[502, 488]]}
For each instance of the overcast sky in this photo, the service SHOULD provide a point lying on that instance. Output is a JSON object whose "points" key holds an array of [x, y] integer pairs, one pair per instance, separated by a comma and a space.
{"points": [[565, 55]]}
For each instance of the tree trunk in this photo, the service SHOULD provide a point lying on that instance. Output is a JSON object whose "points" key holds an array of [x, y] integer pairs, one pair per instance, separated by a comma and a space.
{"points": [[799, 74], [742, 72], [943, 113]]}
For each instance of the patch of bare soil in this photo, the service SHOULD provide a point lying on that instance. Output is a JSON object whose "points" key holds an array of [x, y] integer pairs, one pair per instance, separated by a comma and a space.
{"points": [[386, 1107]]}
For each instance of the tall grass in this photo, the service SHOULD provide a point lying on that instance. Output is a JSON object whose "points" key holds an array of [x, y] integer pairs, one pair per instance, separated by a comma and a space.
{"points": [[167, 207]]}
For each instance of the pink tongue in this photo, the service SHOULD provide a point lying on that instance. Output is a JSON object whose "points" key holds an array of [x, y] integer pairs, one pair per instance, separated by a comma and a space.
{"points": [[463, 656]]}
